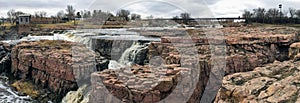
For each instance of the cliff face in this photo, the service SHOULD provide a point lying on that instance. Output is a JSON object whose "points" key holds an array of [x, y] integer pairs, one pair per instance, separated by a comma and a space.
{"points": [[56, 65], [275, 82], [244, 51]]}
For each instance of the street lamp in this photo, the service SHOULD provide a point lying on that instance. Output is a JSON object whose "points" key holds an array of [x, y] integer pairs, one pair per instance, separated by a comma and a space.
{"points": [[280, 6]]}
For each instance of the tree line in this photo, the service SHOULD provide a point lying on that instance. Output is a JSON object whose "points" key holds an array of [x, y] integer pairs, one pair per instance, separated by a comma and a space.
{"points": [[70, 14], [272, 16]]}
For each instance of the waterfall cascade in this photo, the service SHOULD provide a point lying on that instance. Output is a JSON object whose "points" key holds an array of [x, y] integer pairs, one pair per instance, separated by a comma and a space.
{"points": [[136, 54], [130, 55]]}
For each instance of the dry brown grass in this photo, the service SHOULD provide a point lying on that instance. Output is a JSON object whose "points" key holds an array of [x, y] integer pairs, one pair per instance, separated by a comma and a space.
{"points": [[27, 88]]}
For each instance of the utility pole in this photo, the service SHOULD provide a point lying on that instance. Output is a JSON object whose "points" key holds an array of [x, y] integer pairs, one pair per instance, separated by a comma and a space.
{"points": [[280, 6]]}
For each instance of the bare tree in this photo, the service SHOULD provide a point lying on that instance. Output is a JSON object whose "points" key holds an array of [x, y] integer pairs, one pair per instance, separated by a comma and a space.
{"points": [[70, 12], [14, 16], [247, 14], [259, 14], [86, 14], [185, 17], [298, 13], [43, 14], [60, 14], [272, 14], [292, 12], [124, 13], [10, 15], [100, 15], [40, 14], [135, 17], [37, 14]]}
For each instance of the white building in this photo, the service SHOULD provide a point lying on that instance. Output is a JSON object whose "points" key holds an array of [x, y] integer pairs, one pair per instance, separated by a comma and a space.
{"points": [[24, 19]]}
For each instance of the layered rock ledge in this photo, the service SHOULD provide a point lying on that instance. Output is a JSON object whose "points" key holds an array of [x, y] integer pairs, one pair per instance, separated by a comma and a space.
{"points": [[276, 83], [53, 65], [137, 84]]}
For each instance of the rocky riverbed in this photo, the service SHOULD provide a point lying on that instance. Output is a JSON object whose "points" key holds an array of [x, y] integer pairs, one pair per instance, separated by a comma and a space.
{"points": [[244, 52], [181, 67]]}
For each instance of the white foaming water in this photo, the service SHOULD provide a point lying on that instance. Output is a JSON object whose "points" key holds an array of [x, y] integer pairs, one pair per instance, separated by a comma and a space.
{"points": [[7, 95], [129, 54], [113, 64], [128, 57]]}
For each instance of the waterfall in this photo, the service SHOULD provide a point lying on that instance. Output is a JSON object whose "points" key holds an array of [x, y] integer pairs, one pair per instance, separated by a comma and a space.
{"points": [[83, 38], [129, 56], [136, 54]]}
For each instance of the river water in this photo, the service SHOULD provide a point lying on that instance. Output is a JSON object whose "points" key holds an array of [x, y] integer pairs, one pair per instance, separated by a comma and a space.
{"points": [[8, 95]]}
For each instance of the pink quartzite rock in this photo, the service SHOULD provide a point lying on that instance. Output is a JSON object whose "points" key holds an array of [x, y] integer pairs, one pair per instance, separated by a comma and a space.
{"points": [[276, 82], [56, 65], [174, 60]]}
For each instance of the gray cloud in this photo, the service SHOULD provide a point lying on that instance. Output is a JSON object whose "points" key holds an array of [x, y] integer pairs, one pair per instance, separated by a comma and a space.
{"points": [[31, 4], [159, 8]]}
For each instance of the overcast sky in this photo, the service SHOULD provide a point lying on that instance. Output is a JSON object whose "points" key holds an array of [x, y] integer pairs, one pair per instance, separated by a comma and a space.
{"points": [[157, 8]]}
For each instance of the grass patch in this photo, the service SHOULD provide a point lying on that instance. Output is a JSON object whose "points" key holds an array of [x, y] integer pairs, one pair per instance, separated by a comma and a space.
{"points": [[8, 25], [27, 88], [55, 43]]}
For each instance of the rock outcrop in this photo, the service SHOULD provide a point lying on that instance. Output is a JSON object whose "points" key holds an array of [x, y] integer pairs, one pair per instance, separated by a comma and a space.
{"points": [[79, 96], [294, 51], [137, 84], [56, 65], [276, 83], [245, 50]]}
